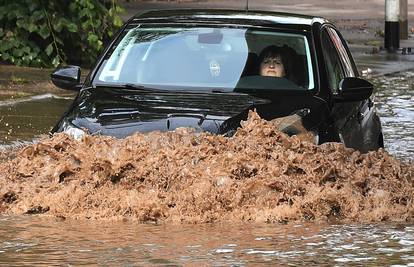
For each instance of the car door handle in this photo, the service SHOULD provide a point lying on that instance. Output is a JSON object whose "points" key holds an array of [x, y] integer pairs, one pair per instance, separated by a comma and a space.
{"points": [[360, 116], [370, 103]]}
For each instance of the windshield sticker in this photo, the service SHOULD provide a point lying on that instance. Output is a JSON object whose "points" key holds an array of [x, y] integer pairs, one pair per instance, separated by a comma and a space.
{"points": [[214, 68]]}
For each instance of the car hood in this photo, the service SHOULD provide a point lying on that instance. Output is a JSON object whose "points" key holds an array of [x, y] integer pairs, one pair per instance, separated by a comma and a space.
{"points": [[121, 112]]}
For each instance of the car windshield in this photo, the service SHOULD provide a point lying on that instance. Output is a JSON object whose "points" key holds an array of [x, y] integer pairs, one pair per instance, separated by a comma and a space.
{"points": [[226, 59]]}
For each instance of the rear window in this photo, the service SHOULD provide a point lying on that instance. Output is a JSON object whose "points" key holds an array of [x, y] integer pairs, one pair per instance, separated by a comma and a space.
{"points": [[209, 58]]}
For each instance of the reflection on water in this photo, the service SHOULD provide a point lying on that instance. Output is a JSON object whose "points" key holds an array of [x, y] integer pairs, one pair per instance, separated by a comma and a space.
{"points": [[395, 104], [29, 241]]}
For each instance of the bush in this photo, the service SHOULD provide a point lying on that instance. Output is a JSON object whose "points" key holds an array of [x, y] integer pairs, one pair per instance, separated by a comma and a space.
{"points": [[46, 33]]}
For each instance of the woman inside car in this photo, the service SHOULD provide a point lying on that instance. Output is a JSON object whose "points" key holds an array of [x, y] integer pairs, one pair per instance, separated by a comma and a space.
{"points": [[272, 62]]}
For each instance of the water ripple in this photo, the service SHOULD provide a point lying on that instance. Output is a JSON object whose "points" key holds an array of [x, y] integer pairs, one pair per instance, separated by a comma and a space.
{"points": [[394, 101]]}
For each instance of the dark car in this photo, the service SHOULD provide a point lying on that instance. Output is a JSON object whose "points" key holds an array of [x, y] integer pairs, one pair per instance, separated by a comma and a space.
{"points": [[204, 69]]}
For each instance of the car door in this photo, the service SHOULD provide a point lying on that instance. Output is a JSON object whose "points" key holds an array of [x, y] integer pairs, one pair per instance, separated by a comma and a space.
{"points": [[346, 117]]}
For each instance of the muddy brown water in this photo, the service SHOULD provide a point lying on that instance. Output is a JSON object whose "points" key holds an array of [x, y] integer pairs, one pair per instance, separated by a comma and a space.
{"points": [[354, 220], [28, 241], [24, 119]]}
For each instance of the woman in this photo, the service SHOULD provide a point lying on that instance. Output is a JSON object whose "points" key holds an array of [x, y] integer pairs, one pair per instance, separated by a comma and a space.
{"points": [[272, 62]]}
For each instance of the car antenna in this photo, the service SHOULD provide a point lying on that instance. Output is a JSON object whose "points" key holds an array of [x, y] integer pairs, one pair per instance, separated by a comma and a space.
{"points": [[247, 5]]}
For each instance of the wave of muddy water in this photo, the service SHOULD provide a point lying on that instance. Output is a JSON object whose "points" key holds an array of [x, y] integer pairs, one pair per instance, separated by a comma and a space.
{"points": [[258, 175]]}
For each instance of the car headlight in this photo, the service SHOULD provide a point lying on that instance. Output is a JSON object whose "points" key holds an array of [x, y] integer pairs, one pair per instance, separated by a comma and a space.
{"points": [[316, 138], [74, 132]]}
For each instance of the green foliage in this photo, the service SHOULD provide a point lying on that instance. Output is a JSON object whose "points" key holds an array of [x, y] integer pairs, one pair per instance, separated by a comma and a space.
{"points": [[52, 32]]}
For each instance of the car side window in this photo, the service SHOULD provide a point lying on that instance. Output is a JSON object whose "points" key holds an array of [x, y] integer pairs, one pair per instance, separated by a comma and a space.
{"points": [[344, 57], [332, 62]]}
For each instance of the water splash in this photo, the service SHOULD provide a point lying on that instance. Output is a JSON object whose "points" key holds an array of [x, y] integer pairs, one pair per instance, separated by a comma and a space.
{"points": [[259, 175]]}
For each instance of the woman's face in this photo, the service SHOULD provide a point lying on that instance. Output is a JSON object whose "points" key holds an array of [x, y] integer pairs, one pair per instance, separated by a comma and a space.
{"points": [[272, 66]]}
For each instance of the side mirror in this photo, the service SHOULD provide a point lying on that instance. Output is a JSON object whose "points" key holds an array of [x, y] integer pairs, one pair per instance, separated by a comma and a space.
{"points": [[353, 89], [67, 78]]}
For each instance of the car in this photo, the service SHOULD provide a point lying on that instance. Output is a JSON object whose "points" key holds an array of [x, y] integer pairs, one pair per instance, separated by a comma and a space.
{"points": [[202, 69]]}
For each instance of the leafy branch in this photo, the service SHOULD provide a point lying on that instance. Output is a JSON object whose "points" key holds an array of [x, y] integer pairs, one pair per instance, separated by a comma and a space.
{"points": [[49, 48], [49, 33]]}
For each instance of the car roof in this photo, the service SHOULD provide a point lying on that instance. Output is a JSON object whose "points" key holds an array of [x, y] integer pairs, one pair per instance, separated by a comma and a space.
{"points": [[228, 17]]}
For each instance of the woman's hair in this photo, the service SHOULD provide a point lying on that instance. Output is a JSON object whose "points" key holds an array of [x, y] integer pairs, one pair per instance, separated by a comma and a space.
{"points": [[282, 52]]}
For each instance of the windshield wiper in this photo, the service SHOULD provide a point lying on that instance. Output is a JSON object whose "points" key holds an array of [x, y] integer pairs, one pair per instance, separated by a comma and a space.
{"points": [[144, 88], [132, 86], [140, 87]]}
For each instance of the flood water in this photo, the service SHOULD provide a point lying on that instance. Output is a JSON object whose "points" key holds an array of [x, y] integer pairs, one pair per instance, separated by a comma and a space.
{"points": [[27, 241], [394, 99], [23, 119], [31, 240]]}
